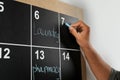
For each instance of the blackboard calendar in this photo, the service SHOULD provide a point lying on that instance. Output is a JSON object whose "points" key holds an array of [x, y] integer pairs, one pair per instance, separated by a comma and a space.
{"points": [[35, 44]]}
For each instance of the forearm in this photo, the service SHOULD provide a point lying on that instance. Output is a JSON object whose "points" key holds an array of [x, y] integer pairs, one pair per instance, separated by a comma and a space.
{"points": [[81, 32], [100, 69]]}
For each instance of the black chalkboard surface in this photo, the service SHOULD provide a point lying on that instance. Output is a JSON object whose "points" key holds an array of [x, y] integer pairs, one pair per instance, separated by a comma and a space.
{"points": [[18, 66], [45, 28], [35, 44], [48, 67], [14, 32], [15, 23], [67, 40]]}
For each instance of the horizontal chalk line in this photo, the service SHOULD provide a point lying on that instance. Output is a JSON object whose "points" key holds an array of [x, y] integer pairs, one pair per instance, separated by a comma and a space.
{"points": [[38, 46]]}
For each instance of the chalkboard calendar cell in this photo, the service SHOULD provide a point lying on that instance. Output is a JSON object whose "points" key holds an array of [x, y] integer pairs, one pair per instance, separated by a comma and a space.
{"points": [[45, 64], [66, 38], [70, 65], [16, 64], [14, 22], [45, 27]]}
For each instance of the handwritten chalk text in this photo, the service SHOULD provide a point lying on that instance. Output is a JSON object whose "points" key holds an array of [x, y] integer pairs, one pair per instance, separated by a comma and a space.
{"points": [[46, 69], [45, 32]]}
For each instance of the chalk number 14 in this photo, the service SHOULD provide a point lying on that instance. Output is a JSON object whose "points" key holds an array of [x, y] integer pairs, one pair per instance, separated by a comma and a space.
{"points": [[66, 56], [1, 6]]}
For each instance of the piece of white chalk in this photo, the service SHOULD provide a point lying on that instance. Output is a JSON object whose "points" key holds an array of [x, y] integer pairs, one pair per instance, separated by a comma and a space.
{"points": [[68, 25]]}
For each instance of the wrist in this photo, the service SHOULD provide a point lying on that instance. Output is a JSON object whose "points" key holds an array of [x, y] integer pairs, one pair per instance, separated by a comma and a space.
{"points": [[87, 45]]}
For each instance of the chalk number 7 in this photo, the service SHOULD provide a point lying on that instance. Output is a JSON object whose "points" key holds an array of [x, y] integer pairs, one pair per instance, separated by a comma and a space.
{"points": [[62, 20], [1, 6]]}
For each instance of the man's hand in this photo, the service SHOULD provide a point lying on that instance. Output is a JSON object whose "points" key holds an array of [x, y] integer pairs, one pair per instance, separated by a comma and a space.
{"points": [[100, 68], [81, 32]]}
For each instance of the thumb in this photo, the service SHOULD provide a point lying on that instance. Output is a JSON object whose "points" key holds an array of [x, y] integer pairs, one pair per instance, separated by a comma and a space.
{"points": [[73, 32]]}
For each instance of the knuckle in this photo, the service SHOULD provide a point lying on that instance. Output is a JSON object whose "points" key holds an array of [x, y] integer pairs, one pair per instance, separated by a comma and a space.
{"points": [[88, 29], [71, 30], [78, 38], [80, 22]]}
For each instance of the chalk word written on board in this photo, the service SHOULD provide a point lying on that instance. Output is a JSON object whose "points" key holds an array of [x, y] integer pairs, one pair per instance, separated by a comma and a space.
{"points": [[46, 69], [45, 32]]}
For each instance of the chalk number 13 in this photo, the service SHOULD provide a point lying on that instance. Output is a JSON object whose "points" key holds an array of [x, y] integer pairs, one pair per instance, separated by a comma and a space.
{"points": [[1, 6], [40, 54]]}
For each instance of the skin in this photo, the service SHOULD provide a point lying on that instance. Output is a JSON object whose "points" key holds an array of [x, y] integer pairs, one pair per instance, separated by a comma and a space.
{"points": [[81, 32]]}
